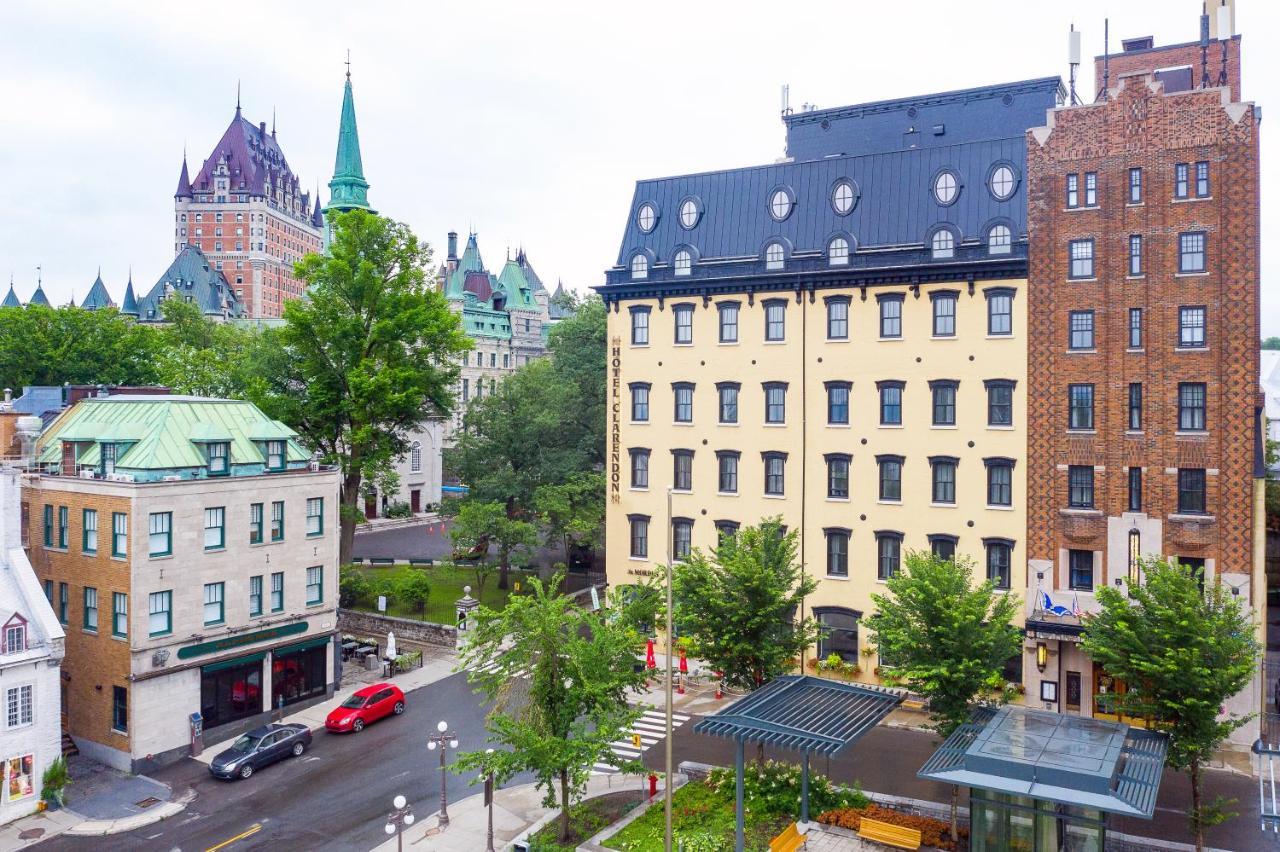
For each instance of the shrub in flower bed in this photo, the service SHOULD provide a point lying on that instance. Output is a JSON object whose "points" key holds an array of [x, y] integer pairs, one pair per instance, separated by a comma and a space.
{"points": [[933, 832], [774, 789]]}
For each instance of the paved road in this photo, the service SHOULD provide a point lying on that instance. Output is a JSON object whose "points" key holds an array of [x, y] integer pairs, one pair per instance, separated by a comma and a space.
{"points": [[335, 797], [886, 761], [424, 541]]}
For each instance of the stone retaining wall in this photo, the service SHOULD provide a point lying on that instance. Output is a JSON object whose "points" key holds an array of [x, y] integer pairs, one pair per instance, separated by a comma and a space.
{"points": [[374, 625]]}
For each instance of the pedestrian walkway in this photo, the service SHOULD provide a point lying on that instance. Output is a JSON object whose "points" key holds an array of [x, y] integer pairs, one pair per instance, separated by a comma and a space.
{"points": [[649, 729]]}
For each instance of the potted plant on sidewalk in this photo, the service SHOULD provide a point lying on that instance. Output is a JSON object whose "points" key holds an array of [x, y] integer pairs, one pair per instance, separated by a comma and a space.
{"points": [[54, 784]]}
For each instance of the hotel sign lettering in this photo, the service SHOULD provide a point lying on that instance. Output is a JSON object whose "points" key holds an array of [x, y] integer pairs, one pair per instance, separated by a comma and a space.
{"points": [[229, 642], [615, 420]]}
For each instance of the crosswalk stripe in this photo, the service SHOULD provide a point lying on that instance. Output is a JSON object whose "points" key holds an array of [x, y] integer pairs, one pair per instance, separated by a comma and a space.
{"points": [[604, 767], [653, 714], [645, 726], [651, 728]]}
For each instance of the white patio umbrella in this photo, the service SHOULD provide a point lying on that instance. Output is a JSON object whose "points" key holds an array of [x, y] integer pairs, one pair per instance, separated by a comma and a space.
{"points": [[391, 646]]}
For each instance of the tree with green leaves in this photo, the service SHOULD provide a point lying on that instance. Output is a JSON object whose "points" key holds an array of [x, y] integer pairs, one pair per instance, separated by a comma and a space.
{"points": [[353, 586], [946, 637], [414, 589], [479, 522], [572, 512], [563, 717], [367, 357], [738, 607], [53, 346], [1271, 343], [205, 358], [1183, 652]]}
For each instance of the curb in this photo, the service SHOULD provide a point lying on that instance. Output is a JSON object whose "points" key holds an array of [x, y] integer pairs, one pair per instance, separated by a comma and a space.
{"points": [[102, 827], [380, 524]]}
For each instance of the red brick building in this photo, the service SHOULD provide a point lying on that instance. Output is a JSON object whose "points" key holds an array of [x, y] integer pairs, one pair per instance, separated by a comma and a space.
{"points": [[1144, 420], [246, 210]]}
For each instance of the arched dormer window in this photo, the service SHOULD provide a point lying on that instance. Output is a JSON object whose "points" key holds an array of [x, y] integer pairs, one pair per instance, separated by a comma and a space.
{"points": [[639, 267]]}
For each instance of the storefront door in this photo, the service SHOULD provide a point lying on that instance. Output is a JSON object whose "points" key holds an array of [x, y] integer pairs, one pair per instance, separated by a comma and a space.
{"points": [[1104, 685], [230, 691], [298, 675]]}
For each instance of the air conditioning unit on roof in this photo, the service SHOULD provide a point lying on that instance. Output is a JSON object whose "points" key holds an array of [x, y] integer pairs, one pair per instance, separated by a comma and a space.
{"points": [[88, 473], [120, 477], [171, 478]]}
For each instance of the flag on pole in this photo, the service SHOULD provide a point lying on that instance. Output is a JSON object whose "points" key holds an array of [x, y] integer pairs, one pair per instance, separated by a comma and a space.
{"points": [[1075, 605]]}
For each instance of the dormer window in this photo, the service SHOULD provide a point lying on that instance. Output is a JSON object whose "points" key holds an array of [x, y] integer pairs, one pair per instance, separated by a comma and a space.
{"points": [[218, 458], [15, 635], [275, 455], [107, 452]]}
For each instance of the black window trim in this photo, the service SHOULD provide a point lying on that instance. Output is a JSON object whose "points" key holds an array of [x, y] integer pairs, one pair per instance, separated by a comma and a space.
{"points": [[1204, 252]]}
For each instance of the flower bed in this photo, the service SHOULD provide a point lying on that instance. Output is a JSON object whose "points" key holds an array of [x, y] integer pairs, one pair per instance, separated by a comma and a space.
{"points": [[933, 832]]}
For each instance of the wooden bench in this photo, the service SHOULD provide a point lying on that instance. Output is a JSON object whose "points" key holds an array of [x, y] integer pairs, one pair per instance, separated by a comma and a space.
{"points": [[889, 834], [421, 563], [381, 560], [788, 841]]}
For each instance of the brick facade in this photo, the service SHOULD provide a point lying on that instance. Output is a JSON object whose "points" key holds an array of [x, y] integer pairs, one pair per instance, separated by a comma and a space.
{"points": [[1141, 126]]}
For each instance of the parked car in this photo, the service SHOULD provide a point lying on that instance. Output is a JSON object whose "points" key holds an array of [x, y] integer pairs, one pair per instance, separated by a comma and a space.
{"points": [[260, 747], [365, 706]]}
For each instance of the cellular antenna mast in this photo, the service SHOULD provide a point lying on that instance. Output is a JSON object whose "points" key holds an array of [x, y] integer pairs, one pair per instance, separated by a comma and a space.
{"points": [[786, 99], [1224, 36], [1073, 59], [1106, 60]]}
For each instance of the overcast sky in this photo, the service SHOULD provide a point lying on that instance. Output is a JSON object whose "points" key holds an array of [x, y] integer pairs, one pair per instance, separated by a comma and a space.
{"points": [[528, 122]]}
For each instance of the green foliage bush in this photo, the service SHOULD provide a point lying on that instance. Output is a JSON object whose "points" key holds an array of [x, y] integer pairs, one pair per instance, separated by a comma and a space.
{"points": [[54, 782], [353, 587], [398, 510], [773, 789]]}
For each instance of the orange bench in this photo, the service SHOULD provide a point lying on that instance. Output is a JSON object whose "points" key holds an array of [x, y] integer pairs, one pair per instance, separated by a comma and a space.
{"points": [[889, 834], [788, 841]]}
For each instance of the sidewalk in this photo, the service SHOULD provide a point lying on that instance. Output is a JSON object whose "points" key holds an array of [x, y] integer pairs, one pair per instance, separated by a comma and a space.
{"points": [[439, 665], [515, 810]]}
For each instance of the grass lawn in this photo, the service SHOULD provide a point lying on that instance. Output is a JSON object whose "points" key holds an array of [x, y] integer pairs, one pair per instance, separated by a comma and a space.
{"points": [[447, 582], [702, 820], [585, 819]]}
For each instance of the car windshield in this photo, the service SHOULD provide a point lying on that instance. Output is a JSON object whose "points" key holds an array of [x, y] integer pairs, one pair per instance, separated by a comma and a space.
{"points": [[354, 702], [245, 743]]}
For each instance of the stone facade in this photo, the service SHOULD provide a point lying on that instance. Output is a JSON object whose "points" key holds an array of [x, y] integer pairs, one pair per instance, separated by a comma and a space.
{"points": [[377, 626], [1170, 300]]}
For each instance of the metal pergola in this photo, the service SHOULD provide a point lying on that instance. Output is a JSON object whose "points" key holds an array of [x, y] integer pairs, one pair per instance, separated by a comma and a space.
{"points": [[801, 713]]}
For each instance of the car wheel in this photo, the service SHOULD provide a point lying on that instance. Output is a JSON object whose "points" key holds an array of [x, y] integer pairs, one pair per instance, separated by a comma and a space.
{"points": [[298, 749], [399, 708], [357, 725], [246, 770]]}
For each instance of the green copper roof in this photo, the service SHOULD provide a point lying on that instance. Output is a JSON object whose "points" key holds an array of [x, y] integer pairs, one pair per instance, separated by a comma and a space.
{"points": [[166, 434], [478, 322], [517, 288], [469, 262], [348, 190]]}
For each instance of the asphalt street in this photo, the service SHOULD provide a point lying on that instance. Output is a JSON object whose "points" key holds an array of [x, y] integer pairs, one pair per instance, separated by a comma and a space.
{"points": [[424, 541], [335, 797]]}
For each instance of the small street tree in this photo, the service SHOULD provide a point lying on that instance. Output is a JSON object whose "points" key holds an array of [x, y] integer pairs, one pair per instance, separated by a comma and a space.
{"points": [[414, 589], [562, 719], [739, 605], [368, 356], [946, 637], [480, 521], [1183, 652]]}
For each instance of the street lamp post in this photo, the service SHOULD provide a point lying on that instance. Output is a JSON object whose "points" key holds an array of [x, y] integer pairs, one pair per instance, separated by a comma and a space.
{"points": [[400, 819], [666, 790], [443, 740], [488, 800]]}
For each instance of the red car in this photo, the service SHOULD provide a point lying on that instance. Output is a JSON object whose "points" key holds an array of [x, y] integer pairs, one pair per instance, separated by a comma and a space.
{"points": [[365, 706]]}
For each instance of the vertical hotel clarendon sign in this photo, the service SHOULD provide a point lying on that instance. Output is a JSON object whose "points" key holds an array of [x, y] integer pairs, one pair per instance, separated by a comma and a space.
{"points": [[615, 420]]}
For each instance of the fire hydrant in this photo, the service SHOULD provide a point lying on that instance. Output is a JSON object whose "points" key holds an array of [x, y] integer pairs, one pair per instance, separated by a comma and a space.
{"points": [[653, 785]]}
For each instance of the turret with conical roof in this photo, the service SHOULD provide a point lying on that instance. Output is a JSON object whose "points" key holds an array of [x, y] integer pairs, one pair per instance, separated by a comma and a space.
{"points": [[39, 298], [129, 305], [184, 181], [348, 190], [98, 296], [11, 299]]}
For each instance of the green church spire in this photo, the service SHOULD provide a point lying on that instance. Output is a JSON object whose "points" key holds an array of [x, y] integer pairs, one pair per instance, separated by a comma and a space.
{"points": [[348, 190]]}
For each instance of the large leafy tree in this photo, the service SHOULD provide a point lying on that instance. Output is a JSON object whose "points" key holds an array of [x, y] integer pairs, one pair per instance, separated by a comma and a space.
{"points": [[205, 358], [54, 346], [572, 512], [367, 357], [947, 638], [739, 605], [1182, 652], [480, 523], [560, 719]]}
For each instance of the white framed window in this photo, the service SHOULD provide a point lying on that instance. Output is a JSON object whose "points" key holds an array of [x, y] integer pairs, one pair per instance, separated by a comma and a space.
{"points": [[160, 613], [683, 263], [780, 204], [689, 214], [160, 534], [15, 638], [19, 706], [218, 458], [646, 217], [315, 516], [943, 245], [946, 188], [774, 256], [999, 240], [838, 252], [415, 457], [215, 530], [1002, 183], [213, 608], [843, 198], [639, 267]]}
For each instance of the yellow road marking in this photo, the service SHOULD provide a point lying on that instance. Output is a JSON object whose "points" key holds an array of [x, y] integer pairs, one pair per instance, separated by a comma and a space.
{"points": [[254, 829]]}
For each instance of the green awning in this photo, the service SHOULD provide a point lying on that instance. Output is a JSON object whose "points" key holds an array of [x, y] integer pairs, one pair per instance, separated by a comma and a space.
{"points": [[232, 663], [302, 646]]}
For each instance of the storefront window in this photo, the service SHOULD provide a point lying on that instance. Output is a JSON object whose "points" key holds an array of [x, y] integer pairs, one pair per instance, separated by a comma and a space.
{"points": [[298, 675], [232, 692], [1004, 822]]}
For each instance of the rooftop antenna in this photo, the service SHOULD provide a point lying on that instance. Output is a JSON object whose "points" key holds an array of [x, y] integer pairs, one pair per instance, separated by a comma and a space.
{"points": [[1224, 36], [1073, 59], [786, 99], [273, 121], [1204, 46], [237, 97], [1106, 60], [348, 63]]}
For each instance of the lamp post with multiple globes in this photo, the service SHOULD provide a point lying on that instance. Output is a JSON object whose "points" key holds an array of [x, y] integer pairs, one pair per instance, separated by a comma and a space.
{"points": [[443, 740], [400, 819]]}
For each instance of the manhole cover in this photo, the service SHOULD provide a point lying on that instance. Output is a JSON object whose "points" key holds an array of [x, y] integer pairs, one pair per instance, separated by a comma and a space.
{"points": [[148, 802], [30, 833]]}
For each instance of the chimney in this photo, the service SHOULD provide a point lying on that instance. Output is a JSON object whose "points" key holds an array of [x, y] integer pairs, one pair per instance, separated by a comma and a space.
{"points": [[262, 128], [453, 246]]}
